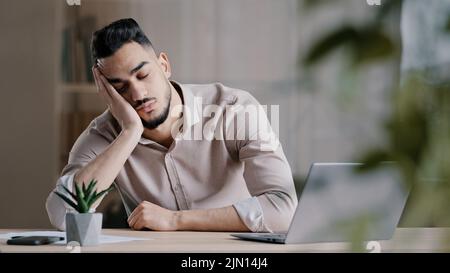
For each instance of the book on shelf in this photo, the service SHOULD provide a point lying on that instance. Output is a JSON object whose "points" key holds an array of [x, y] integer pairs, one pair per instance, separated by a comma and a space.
{"points": [[76, 60]]}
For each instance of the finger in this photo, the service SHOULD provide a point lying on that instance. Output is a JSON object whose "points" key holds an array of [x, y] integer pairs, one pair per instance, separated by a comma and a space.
{"points": [[109, 88], [133, 227], [134, 222], [134, 215], [140, 224], [101, 88], [131, 217], [97, 83], [134, 212]]}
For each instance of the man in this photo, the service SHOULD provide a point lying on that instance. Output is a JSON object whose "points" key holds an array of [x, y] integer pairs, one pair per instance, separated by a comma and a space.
{"points": [[143, 143]]}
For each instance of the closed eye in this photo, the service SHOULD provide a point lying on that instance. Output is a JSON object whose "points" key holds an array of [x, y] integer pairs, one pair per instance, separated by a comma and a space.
{"points": [[122, 89], [142, 77]]}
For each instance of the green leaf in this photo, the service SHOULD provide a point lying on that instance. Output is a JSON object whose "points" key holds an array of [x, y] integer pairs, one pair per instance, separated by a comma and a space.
{"points": [[82, 205], [329, 43], [91, 185], [447, 25], [100, 194], [67, 200], [69, 192], [80, 194], [92, 192], [84, 188], [366, 44], [370, 45], [372, 160]]}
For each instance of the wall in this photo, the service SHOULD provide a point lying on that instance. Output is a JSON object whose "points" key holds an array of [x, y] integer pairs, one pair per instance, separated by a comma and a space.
{"points": [[27, 111]]}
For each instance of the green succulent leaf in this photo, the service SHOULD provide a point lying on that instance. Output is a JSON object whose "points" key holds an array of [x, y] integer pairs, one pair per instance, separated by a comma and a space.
{"points": [[80, 194], [98, 195], [67, 200], [91, 185], [82, 205], [91, 191], [84, 197], [83, 185], [69, 192]]}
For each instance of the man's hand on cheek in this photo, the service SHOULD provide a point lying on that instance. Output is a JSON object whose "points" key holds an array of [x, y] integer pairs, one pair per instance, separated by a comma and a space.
{"points": [[122, 111], [151, 216]]}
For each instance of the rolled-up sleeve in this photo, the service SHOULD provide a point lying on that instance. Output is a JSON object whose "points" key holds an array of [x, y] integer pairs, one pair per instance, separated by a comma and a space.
{"points": [[88, 145], [268, 177]]}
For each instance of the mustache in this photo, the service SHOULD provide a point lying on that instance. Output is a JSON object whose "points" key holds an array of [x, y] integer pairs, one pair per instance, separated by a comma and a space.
{"points": [[140, 102]]}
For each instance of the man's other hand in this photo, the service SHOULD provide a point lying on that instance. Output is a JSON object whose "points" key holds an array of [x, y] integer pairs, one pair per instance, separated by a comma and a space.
{"points": [[154, 217]]}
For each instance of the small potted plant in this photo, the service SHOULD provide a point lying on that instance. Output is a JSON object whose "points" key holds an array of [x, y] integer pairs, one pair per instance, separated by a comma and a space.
{"points": [[83, 227]]}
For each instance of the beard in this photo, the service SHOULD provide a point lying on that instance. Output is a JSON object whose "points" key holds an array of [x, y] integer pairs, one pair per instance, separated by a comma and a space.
{"points": [[155, 122]]}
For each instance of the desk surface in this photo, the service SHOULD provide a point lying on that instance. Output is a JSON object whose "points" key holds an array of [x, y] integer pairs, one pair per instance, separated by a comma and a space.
{"points": [[404, 240]]}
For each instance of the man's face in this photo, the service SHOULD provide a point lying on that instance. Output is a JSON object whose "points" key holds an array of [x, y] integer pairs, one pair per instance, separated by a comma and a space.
{"points": [[142, 79]]}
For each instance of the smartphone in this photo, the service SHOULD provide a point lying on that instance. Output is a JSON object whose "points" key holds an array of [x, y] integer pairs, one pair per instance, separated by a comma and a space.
{"points": [[33, 240]]}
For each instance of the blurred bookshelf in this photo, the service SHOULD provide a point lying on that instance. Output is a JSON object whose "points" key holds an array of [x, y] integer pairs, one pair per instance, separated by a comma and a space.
{"points": [[79, 102]]}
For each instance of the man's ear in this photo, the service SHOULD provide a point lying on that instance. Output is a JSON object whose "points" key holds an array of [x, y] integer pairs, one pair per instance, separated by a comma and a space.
{"points": [[163, 60]]}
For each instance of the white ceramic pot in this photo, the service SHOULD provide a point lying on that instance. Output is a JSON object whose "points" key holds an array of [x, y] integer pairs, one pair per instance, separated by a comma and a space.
{"points": [[84, 228]]}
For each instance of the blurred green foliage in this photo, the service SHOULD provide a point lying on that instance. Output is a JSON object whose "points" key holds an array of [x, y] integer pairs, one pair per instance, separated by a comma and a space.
{"points": [[418, 128], [365, 44]]}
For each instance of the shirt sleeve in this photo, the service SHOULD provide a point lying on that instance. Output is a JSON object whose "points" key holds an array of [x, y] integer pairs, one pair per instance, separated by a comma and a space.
{"points": [[88, 145], [267, 173]]}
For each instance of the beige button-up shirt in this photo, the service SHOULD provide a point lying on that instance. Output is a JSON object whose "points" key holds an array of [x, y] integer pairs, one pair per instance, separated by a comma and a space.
{"points": [[218, 158]]}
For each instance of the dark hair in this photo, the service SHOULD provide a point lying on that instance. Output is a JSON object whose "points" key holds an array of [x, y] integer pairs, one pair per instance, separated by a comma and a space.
{"points": [[106, 41]]}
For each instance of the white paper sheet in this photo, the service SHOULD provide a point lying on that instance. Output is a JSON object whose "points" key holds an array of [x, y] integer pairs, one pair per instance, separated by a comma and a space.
{"points": [[104, 239]]}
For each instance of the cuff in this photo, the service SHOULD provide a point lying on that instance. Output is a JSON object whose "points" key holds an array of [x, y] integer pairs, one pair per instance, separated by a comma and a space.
{"points": [[251, 213]]}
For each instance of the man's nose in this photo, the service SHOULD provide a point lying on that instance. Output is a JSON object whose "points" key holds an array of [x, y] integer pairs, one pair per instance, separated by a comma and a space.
{"points": [[137, 91]]}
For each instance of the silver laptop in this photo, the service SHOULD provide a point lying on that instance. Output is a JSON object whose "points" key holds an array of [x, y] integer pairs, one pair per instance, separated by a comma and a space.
{"points": [[338, 202]]}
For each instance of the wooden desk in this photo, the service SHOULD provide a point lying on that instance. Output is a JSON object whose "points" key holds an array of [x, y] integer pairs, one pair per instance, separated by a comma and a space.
{"points": [[404, 240]]}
